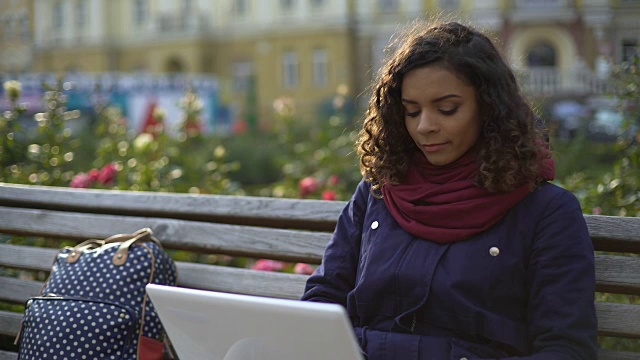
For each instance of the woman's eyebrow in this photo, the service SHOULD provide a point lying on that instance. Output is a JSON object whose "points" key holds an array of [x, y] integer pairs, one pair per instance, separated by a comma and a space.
{"points": [[441, 98]]}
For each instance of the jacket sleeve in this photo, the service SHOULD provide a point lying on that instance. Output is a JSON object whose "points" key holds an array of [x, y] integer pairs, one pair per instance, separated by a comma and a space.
{"points": [[335, 277], [561, 282]]}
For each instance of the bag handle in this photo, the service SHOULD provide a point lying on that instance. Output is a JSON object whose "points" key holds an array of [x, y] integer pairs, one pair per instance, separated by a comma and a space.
{"points": [[77, 250], [126, 241], [120, 257]]}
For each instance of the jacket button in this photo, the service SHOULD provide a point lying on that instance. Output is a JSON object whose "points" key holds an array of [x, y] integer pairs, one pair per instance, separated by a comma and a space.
{"points": [[494, 251], [374, 225], [463, 358]]}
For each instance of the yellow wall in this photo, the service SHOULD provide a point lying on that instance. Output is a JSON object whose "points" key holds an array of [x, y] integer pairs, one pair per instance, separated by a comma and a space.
{"points": [[266, 54]]}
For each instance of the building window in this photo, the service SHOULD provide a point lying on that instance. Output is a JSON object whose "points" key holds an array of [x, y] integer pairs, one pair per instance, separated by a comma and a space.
{"points": [[541, 55], [389, 5], [320, 67], [290, 66], [287, 5], [525, 4], [240, 8], [449, 4], [187, 6], [140, 11], [24, 27], [629, 49], [58, 16], [241, 72], [81, 14]]}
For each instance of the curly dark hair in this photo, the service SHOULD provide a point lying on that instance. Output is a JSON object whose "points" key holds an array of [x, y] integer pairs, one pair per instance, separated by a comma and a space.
{"points": [[511, 145]]}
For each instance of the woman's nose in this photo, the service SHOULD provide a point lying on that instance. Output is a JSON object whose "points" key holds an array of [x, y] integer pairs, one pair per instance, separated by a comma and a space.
{"points": [[427, 124]]}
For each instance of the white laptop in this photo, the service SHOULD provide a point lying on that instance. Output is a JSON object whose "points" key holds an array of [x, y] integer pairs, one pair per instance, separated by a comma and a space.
{"points": [[221, 326]]}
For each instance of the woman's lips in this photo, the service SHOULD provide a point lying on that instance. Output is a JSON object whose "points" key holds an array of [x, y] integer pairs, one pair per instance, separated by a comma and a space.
{"points": [[433, 147]]}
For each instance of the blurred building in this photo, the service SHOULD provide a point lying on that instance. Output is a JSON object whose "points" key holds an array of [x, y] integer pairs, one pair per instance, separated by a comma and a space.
{"points": [[265, 50], [16, 31]]}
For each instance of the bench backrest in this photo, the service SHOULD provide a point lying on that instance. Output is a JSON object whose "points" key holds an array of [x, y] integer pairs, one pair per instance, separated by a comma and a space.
{"points": [[280, 229]]}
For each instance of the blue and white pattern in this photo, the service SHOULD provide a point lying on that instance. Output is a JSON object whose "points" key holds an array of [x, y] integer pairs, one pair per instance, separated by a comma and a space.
{"points": [[93, 309]]}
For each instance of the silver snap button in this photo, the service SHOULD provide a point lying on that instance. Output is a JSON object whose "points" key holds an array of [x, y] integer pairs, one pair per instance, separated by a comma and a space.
{"points": [[374, 225], [463, 358], [494, 251]]}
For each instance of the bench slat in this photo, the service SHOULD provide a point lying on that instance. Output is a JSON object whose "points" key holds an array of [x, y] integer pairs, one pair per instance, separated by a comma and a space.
{"points": [[27, 257], [5, 355], [614, 319], [615, 274], [619, 320], [616, 355], [618, 274], [200, 276], [246, 210], [9, 323], [613, 233], [609, 233], [249, 241], [241, 281], [18, 290]]}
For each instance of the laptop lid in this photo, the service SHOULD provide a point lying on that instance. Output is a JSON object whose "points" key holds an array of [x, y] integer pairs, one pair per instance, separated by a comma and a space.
{"points": [[220, 326]]}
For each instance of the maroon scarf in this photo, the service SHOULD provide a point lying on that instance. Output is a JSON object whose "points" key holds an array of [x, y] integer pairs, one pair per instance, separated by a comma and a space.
{"points": [[442, 203]]}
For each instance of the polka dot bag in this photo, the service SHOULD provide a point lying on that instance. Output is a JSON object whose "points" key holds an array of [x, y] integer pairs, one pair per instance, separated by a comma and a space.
{"points": [[94, 304]]}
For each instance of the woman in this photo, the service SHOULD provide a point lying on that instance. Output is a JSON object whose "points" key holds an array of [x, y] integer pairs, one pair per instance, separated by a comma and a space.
{"points": [[455, 246]]}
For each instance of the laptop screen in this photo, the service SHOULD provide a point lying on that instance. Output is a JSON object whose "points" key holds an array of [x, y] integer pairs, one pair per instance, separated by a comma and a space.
{"points": [[213, 325]]}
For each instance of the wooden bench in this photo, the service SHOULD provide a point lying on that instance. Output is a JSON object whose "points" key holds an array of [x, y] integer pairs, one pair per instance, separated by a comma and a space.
{"points": [[280, 229]]}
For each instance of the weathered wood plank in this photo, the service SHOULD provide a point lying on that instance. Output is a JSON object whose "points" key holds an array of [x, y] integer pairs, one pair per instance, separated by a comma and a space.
{"points": [[249, 210], [617, 355], [609, 233], [615, 274], [6, 355], [240, 281], [249, 241], [618, 320], [18, 290], [199, 276], [9, 323], [618, 274], [614, 233], [27, 257]]}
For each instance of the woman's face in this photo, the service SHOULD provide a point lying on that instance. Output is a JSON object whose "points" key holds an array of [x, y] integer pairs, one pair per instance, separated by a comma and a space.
{"points": [[440, 113]]}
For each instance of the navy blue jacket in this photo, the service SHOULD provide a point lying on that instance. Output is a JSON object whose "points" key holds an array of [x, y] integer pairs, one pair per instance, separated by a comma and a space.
{"points": [[522, 289]]}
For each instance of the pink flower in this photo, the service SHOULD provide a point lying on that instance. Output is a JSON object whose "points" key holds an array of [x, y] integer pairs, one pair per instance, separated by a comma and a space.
{"points": [[81, 181], [597, 210], [268, 265], [334, 180], [93, 174], [303, 269], [308, 185], [329, 195], [107, 174]]}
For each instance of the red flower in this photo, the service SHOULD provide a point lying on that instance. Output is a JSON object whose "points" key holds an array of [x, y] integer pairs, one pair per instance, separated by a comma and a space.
{"points": [[81, 181], [308, 185], [268, 265], [597, 210], [107, 174], [329, 195], [334, 180], [304, 269], [94, 174]]}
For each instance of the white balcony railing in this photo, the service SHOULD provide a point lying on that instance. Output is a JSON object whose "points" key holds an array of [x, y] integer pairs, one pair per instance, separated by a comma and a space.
{"points": [[553, 81], [543, 4]]}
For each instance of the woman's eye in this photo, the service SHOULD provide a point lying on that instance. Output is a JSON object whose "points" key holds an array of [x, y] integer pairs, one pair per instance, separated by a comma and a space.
{"points": [[449, 112], [412, 114]]}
